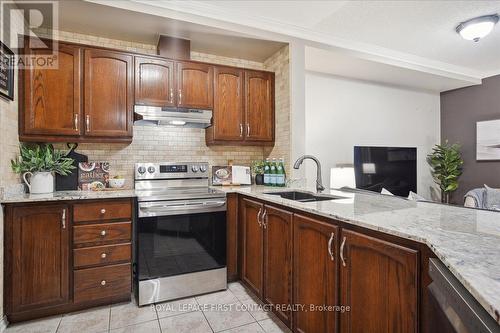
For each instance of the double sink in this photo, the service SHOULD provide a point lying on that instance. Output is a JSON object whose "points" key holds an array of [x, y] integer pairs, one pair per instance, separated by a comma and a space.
{"points": [[305, 196]]}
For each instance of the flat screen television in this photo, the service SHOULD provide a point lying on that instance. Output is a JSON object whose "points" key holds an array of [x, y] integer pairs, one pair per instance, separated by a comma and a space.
{"points": [[392, 168]]}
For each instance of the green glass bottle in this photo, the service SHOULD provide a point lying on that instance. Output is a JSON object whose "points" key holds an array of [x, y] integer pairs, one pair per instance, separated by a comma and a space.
{"points": [[273, 172], [280, 173], [267, 173]]}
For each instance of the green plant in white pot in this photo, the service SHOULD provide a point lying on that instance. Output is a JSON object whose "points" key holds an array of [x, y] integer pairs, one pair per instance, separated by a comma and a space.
{"points": [[38, 163]]}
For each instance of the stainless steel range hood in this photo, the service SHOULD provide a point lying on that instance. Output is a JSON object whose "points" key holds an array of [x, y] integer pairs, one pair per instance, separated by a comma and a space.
{"points": [[153, 115]]}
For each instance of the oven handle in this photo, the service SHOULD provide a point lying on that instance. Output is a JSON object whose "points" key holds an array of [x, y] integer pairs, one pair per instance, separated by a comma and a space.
{"points": [[155, 209]]}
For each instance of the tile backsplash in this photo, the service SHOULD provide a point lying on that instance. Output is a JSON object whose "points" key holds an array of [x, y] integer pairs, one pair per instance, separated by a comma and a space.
{"points": [[165, 143]]}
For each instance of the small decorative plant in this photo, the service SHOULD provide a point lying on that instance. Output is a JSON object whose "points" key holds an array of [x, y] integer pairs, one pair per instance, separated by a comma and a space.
{"points": [[258, 170], [38, 164], [446, 163], [42, 159], [258, 167]]}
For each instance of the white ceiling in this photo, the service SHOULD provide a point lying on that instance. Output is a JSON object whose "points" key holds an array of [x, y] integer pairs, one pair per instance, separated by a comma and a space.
{"points": [[106, 21], [418, 28]]}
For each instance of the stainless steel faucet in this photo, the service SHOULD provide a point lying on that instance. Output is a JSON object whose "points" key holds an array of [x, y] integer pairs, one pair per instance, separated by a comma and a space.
{"points": [[319, 181]]}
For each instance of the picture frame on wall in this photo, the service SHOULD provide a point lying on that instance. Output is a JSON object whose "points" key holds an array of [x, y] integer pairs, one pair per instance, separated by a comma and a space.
{"points": [[488, 140], [6, 72]]}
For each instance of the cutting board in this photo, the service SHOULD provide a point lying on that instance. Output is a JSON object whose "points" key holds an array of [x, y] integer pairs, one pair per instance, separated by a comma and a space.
{"points": [[70, 182]]}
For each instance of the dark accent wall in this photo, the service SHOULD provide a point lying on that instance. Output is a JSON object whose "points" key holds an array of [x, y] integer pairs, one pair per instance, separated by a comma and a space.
{"points": [[460, 110]]}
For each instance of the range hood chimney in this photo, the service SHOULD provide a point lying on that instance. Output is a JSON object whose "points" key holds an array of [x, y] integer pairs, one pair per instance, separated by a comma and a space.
{"points": [[174, 48]]}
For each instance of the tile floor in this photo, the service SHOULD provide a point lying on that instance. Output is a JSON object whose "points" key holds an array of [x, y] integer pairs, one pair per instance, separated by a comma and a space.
{"points": [[235, 310]]}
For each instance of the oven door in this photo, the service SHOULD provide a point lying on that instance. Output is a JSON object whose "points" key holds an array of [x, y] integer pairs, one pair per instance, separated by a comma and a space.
{"points": [[180, 236]]}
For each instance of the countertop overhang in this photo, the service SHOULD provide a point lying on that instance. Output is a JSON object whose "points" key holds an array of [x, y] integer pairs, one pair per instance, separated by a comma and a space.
{"points": [[466, 240]]}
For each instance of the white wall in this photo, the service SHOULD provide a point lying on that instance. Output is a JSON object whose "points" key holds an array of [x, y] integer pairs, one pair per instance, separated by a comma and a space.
{"points": [[342, 113]]}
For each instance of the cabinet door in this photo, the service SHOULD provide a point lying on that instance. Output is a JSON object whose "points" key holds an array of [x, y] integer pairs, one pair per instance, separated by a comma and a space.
{"points": [[228, 104], [39, 250], [388, 274], [277, 260], [108, 93], [154, 82], [259, 106], [252, 248], [314, 274], [195, 85], [52, 96]]}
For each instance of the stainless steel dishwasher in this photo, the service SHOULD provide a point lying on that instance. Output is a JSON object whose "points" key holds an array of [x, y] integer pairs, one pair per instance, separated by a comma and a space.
{"points": [[460, 310]]}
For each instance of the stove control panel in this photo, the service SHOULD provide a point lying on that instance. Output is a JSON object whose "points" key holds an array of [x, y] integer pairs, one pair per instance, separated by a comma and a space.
{"points": [[171, 170]]}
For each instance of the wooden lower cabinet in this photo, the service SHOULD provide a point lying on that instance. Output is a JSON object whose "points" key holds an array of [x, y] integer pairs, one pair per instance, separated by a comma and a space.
{"points": [[252, 245], [47, 271], [335, 279], [315, 273], [379, 281], [277, 285], [37, 270]]}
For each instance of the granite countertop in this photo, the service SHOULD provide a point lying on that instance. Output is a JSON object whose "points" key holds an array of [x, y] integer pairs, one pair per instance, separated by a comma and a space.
{"points": [[466, 240], [66, 195]]}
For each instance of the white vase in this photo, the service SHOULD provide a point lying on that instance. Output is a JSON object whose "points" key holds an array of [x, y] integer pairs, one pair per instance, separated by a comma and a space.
{"points": [[39, 182]]}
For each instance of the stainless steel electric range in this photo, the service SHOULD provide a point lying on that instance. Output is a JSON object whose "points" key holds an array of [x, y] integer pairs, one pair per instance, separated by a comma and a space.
{"points": [[180, 232]]}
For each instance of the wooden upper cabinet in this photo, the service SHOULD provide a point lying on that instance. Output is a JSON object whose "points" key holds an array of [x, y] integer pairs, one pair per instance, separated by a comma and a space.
{"points": [[52, 96], [388, 274], [38, 257], [259, 106], [228, 114], [314, 274], [278, 260], [109, 98], [252, 246], [154, 82], [194, 85]]}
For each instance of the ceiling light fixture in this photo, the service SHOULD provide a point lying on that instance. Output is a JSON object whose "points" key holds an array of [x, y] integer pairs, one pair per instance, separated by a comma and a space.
{"points": [[477, 28]]}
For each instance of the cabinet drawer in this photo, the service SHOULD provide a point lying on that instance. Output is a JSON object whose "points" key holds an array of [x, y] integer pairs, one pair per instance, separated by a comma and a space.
{"points": [[102, 232], [102, 282], [101, 255], [104, 210]]}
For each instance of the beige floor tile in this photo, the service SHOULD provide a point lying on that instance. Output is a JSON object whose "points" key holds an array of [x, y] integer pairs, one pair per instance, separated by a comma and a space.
{"points": [[88, 321], [167, 309], [255, 307], [228, 315], [250, 328], [191, 322], [240, 291], [273, 325], [127, 314], [221, 297], [148, 327], [45, 325]]}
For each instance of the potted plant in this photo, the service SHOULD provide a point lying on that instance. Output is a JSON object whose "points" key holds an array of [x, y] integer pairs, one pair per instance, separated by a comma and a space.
{"points": [[446, 163], [258, 171], [40, 162]]}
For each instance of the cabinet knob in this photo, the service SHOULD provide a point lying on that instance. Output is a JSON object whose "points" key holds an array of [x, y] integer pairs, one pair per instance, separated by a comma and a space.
{"points": [[103, 233], [103, 282], [103, 255], [103, 211]]}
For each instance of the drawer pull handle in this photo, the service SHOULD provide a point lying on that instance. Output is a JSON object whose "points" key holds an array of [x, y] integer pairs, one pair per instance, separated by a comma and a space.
{"points": [[103, 211], [103, 233], [103, 282], [103, 255]]}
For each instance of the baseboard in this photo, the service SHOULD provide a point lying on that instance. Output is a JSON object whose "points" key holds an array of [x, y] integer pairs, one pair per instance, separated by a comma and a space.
{"points": [[3, 324]]}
